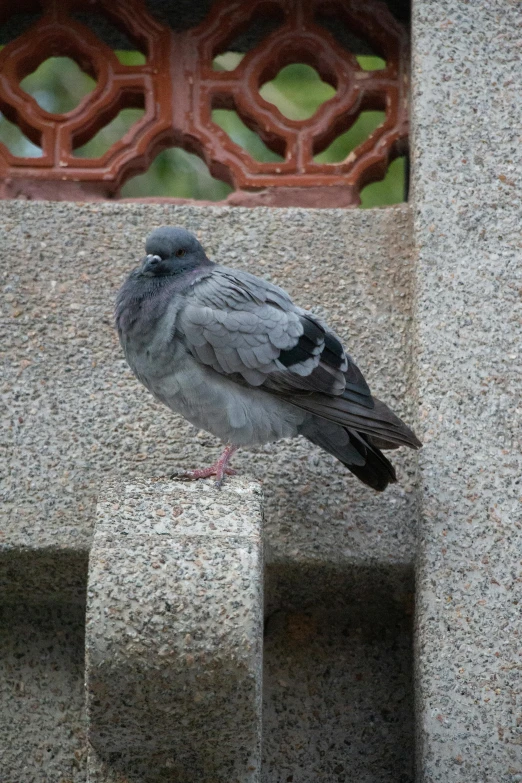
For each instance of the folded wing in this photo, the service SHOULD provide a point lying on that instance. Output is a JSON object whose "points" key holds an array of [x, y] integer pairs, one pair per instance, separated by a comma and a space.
{"points": [[250, 330]]}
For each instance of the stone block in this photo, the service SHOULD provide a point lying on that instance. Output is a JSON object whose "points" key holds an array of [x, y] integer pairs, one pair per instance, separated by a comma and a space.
{"points": [[174, 629], [467, 177]]}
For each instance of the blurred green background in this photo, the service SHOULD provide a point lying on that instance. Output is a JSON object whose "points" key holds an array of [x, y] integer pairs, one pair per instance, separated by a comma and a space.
{"points": [[58, 85]]}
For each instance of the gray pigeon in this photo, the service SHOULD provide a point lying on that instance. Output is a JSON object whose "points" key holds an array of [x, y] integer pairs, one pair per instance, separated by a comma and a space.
{"points": [[236, 357]]}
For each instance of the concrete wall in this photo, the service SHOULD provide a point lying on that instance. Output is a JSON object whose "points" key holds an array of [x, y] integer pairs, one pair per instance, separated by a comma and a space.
{"points": [[75, 413]]}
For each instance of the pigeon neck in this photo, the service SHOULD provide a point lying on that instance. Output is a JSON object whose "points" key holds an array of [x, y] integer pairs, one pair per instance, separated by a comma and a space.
{"points": [[143, 300]]}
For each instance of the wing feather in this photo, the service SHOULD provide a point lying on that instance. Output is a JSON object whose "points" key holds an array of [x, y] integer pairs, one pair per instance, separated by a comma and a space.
{"points": [[247, 328], [270, 334]]}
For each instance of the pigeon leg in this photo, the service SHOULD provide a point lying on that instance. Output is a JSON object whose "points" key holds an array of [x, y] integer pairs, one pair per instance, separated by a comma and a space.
{"points": [[219, 469]]}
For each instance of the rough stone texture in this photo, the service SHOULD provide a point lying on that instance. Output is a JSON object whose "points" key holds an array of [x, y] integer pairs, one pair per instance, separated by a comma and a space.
{"points": [[467, 179], [338, 690], [174, 631], [337, 685], [337, 617], [73, 413], [42, 716]]}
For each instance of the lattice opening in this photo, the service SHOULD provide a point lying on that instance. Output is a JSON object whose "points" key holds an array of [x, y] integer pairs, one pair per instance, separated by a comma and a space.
{"points": [[230, 121], [175, 173], [114, 131], [58, 85], [341, 147], [16, 142], [249, 36], [130, 57], [392, 189], [227, 61], [128, 52], [371, 62], [297, 91]]}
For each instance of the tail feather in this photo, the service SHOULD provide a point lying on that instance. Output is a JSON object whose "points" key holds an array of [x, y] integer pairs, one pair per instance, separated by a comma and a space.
{"points": [[353, 449], [379, 422], [377, 473]]}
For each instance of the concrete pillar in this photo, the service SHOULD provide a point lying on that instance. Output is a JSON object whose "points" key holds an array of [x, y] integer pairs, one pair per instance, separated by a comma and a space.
{"points": [[174, 632], [467, 178]]}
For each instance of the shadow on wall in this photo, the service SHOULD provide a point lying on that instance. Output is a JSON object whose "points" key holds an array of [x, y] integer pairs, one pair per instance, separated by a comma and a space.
{"points": [[338, 674]]}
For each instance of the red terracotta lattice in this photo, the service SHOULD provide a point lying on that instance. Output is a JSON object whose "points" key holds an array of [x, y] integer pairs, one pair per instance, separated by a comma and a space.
{"points": [[178, 89]]}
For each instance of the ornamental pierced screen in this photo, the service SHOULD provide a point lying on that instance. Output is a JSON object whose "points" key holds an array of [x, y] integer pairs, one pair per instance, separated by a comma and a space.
{"points": [[178, 89]]}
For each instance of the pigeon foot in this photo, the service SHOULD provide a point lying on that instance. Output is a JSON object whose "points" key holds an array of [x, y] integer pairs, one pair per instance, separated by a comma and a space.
{"points": [[219, 469]]}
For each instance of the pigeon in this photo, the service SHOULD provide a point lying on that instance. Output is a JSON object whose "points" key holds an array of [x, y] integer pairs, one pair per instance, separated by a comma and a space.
{"points": [[236, 357]]}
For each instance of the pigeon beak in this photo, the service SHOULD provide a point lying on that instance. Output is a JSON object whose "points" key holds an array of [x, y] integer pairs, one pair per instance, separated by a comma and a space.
{"points": [[149, 263]]}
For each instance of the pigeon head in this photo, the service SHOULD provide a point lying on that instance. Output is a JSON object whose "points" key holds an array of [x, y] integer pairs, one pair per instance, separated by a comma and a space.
{"points": [[170, 252]]}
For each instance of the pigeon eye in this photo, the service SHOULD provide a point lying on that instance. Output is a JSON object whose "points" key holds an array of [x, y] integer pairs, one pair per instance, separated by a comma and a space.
{"points": [[180, 253]]}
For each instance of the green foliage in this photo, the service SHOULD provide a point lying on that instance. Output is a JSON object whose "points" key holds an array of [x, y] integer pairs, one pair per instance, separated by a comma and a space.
{"points": [[175, 173], [388, 191], [58, 84], [130, 58], [340, 148], [16, 142], [114, 130], [370, 62], [231, 123], [297, 91]]}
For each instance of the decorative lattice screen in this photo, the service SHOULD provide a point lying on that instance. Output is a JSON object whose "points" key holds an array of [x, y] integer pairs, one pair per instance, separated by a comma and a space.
{"points": [[178, 87]]}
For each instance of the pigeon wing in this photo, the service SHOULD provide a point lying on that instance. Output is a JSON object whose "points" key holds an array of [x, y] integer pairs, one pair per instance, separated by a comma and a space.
{"points": [[250, 330], [246, 327]]}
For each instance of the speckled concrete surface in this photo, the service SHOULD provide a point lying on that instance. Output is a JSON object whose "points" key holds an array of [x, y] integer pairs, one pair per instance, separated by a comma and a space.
{"points": [[42, 718], [338, 690], [468, 218], [174, 630], [73, 413]]}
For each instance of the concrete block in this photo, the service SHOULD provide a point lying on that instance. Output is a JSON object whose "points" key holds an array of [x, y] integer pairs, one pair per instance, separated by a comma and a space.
{"points": [[174, 629], [467, 177]]}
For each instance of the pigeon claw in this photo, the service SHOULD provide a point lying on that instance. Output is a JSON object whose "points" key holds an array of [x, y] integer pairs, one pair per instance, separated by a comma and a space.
{"points": [[202, 473], [219, 469]]}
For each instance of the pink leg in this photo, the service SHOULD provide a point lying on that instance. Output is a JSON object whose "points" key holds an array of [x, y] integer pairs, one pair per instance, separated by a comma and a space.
{"points": [[219, 469]]}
